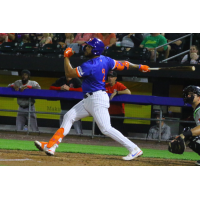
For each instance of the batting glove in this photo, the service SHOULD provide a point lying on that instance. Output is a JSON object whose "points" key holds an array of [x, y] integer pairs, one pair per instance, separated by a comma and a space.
{"points": [[68, 52], [144, 68]]}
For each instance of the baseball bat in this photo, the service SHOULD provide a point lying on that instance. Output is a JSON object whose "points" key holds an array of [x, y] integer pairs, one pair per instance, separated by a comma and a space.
{"points": [[179, 68]]}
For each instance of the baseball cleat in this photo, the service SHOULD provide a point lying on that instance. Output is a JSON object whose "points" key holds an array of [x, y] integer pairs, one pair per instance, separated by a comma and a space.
{"points": [[50, 151], [197, 163], [133, 155], [40, 145]]}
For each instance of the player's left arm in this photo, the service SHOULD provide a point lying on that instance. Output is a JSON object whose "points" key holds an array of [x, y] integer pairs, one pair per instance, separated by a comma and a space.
{"points": [[69, 70], [195, 131], [125, 65], [191, 132]]}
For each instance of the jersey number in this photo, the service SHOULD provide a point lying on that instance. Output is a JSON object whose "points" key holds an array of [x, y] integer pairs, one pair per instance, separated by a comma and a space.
{"points": [[103, 72]]}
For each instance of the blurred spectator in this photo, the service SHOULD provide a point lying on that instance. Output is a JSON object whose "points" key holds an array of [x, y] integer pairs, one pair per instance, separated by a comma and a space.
{"points": [[109, 39], [69, 37], [116, 109], [132, 40], [146, 34], [119, 36], [192, 57], [46, 39], [153, 41], [177, 45], [3, 37], [68, 84], [22, 116], [154, 130], [25, 38], [78, 43], [11, 37], [82, 37]]}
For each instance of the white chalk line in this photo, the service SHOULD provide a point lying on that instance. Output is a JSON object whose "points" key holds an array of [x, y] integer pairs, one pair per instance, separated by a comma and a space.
{"points": [[15, 159]]}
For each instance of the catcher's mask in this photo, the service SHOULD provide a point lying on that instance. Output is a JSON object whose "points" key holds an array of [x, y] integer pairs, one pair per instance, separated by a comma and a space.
{"points": [[190, 89]]}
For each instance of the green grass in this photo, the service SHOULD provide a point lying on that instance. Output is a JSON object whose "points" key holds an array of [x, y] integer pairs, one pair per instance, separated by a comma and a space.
{"points": [[93, 149]]}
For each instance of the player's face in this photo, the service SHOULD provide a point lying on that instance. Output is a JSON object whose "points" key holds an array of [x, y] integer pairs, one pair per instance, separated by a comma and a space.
{"points": [[24, 77], [67, 35], [195, 97], [88, 51], [158, 122], [111, 79], [193, 50]]}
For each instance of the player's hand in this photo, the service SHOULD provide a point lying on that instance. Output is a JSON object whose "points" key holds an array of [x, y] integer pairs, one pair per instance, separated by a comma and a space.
{"points": [[112, 95], [193, 56], [68, 52], [16, 88], [23, 88], [65, 87], [144, 68]]}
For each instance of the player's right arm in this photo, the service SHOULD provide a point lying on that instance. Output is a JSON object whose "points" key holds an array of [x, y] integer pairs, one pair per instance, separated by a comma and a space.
{"points": [[69, 70], [14, 85]]}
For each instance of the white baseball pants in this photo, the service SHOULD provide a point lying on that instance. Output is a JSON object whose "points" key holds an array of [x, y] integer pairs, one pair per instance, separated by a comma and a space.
{"points": [[96, 105]]}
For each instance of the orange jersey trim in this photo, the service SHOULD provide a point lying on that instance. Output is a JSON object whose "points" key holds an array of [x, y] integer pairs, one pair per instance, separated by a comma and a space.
{"points": [[78, 72]]}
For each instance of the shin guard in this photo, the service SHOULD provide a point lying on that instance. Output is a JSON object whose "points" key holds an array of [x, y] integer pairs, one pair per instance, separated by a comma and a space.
{"points": [[57, 138]]}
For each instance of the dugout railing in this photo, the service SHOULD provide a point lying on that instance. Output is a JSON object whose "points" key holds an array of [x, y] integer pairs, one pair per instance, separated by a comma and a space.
{"points": [[71, 96], [155, 51]]}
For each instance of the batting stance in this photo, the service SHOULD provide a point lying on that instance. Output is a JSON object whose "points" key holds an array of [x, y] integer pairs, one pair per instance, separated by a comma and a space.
{"points": [[191, 95], [96, 100], [23, 103]]}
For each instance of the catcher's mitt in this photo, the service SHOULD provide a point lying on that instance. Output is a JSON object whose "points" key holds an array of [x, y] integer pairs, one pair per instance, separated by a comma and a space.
{"points": [[177, 145]]}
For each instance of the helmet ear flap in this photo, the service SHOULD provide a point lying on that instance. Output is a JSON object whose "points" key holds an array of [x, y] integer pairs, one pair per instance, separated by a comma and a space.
{"points": [[84, 48]]}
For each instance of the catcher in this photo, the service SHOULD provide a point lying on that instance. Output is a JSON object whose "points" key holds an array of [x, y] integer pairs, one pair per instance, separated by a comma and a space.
{"points": [[191, 95]]}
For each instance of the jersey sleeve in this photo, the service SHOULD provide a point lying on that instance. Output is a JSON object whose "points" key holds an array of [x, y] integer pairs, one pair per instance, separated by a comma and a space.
{"points": [[84, 70], [162, 41], [35, 85], [144, 41], [184, 59], [111, 63], [121, 87], [197, 118]]}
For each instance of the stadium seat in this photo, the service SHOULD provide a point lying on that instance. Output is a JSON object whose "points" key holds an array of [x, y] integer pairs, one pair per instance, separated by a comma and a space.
{"points": [[8, 47], [28, 48], [115, 52], [138, 54], [50, 50]]}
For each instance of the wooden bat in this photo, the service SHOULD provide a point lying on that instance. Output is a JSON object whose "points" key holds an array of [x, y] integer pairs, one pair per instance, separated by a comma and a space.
{"points": [[179, 68]]}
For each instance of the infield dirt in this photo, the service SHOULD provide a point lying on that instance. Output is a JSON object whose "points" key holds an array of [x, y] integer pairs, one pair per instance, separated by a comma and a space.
{"points": [[38, 158]]}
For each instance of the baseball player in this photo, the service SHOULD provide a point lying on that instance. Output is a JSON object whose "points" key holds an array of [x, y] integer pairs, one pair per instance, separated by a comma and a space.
{"points": [[96, 101], [191, 95], [21, 85], [68, 84]]}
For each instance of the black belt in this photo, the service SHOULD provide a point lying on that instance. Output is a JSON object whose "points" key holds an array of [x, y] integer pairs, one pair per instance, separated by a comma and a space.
{"points": [[90, 93]]}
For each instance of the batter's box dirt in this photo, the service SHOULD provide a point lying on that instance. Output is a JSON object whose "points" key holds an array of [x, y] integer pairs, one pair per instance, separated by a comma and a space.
{"points": [[34, 158]]}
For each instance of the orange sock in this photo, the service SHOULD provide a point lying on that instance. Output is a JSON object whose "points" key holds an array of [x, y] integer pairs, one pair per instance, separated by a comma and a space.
{"points": [[57, 138]]}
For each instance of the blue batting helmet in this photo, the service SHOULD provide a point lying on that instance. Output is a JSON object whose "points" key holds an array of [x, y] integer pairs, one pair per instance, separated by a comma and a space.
{"points": [[97, 44]]}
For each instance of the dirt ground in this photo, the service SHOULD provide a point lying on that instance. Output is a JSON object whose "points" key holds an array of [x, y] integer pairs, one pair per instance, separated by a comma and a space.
{"points": [[38, 158]]}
